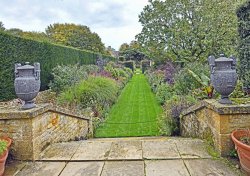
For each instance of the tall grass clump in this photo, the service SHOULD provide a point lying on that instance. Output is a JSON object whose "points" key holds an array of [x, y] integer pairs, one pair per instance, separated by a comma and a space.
{"points": [[98, 93]]}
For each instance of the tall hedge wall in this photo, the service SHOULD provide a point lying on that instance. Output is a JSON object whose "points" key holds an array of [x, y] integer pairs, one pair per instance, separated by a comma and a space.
{"points": [[243, 14], [18, 50]]}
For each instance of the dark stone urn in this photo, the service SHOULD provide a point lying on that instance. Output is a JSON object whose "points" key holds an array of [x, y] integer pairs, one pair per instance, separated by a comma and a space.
{"points": [[223, 76], [27, 83]]}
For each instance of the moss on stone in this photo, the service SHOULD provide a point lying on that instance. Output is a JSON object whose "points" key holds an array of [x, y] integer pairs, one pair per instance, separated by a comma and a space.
{"points": [[238, 101]]}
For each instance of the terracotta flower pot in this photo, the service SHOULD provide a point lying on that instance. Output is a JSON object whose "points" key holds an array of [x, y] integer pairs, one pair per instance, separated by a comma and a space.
{"points": [[243, 150], [3, 158]]}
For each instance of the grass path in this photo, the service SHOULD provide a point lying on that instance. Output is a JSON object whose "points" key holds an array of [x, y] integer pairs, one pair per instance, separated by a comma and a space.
{"points": [[134, 114]]}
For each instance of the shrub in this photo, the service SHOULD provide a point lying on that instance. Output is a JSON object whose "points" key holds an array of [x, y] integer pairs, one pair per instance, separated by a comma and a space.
{"points": [[186, 83], [67, 75], [128, 71], [173, 108], [93, 92], [119, 72], [14, 49], [90, 69], [155, 78], [238, 92], [164, 92], [170, 69]]}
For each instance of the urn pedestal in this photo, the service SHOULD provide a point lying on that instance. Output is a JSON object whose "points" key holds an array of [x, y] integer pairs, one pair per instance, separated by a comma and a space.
{"points": [[27, 83], [223, 76]]}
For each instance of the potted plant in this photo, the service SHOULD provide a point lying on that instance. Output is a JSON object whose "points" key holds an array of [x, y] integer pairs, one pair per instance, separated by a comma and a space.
{"points": [[241, 139], [3, 155], [8, 140]]}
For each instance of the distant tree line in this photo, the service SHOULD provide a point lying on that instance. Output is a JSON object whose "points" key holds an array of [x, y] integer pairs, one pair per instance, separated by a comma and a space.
{"points": [[67, 34]]}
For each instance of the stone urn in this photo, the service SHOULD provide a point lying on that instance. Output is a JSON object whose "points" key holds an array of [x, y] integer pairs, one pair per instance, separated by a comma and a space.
{"points": [[27, 83], [223, 76]]}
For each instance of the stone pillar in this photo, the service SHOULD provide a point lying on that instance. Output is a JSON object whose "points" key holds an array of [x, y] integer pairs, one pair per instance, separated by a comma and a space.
{"points": [[210, 119]]}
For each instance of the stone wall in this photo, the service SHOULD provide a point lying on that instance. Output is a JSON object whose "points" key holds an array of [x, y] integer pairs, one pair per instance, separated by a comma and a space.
{"points": [[209, 119], [33, 130]]}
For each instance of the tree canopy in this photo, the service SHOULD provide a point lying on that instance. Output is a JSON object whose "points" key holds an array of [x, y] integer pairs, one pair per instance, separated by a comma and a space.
{"points": [[39, 36], [132, 51], [189, 30], [123, 47], [78, 36]]}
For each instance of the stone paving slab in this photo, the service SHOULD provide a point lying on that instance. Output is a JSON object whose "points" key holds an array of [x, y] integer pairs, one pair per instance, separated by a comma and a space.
{"points": [[204, 167], [60, 151], [83, 168], [192, 148], [123, 168], [89, 150], [107, 157], [42, 169], [160, 150], [13, 167], [165, 167], [131, 138], [125, 150]]}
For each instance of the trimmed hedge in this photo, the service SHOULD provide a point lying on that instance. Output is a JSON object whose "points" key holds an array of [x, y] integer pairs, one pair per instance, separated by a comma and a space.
{"points": [[19, 50], [243, 14]]}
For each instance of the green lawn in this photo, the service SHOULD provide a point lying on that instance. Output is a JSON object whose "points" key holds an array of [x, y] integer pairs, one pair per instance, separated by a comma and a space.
{"points": [[134, 114]]}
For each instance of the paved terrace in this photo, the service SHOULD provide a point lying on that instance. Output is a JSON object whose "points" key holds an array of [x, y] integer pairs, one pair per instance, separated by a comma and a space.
{"points": [[159, 156]]}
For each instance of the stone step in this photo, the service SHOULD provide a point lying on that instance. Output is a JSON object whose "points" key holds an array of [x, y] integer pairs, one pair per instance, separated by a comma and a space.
{"points": [[148, 156], [120, 149], [197, 167]]}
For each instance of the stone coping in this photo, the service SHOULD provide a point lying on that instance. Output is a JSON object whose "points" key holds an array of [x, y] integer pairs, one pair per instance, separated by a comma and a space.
{"points": [[15, 112], [219, 108]]}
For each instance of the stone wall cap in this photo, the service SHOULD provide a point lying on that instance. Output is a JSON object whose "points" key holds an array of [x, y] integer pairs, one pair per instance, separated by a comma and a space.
{"points": [[227, 109], [15, 112], [193, 108], [219, 108]]}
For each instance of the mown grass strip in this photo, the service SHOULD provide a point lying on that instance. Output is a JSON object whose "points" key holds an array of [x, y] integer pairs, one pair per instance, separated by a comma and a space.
{"points": [[134, 114]]}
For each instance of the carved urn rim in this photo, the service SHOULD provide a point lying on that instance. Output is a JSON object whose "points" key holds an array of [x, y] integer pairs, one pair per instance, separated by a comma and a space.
{"points": [[223, 58]]}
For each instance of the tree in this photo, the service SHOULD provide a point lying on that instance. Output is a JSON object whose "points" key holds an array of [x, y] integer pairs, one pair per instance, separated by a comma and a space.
{"points": [[188, 30], [2, 28], [39, 36], [111, 51], [78, 36], [15, 31], [134, 45], [133, 51], [123, 47], [133, 54]]}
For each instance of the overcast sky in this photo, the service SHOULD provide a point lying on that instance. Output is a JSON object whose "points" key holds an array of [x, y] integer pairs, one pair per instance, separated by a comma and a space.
{"points": [[115, 21]]}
